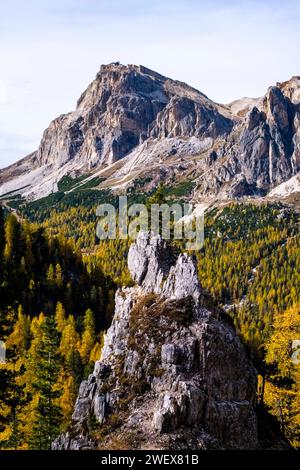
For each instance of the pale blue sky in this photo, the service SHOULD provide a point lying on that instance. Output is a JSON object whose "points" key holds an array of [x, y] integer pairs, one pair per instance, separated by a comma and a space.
{"points": [[51, 49]]}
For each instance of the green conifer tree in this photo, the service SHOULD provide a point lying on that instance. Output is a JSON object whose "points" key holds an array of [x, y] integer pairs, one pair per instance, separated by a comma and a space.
{"points": [[48, 415]]}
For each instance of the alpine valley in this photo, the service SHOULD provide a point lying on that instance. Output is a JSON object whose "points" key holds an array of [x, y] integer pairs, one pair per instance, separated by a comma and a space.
{"points": [[137, 344]]}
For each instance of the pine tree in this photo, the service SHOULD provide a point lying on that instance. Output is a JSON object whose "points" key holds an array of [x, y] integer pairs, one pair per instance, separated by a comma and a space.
{"points": [[48, 414]]}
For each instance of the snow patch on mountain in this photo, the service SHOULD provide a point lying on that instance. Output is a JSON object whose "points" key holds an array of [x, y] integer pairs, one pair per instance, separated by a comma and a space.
{"points": [[288, 187], [20, 184]]}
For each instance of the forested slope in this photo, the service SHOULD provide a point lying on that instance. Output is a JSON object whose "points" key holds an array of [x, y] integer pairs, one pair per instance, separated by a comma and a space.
{"points": [[53, 311], [250, 263]]}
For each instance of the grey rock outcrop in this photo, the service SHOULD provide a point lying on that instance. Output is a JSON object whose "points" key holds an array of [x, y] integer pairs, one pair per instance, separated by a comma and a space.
{"points": [[152, 266], [173, 373], [263, 150], [149, 260]]}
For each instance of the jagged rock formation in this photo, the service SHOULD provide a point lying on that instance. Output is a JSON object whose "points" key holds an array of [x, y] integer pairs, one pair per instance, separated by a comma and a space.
{"points": [[132, 122], [262, 152], [173, 373]]}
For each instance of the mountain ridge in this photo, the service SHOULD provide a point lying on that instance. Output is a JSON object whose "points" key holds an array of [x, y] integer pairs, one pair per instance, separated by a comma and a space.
{"points": [[132, 121]]}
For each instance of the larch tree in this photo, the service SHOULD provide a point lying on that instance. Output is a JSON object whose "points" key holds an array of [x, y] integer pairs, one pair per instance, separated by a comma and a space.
{"points": [[12, 235], [2, 243], [58, 276], [283, 386], [20, 335], [13, 398], [70, 338], [88, 336], [60, 317], [51, 275]]}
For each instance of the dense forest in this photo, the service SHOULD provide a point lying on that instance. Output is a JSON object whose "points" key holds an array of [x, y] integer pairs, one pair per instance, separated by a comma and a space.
{"points": [[66, 278], [54, 309]]}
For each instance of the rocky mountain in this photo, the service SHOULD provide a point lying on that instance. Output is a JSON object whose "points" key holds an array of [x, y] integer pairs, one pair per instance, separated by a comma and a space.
{"points": [[173, 373], [133, 124], [262, 152]]}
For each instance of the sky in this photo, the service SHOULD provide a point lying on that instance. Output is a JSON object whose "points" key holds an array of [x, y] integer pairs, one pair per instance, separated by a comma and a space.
{"points": [[50, 50]]}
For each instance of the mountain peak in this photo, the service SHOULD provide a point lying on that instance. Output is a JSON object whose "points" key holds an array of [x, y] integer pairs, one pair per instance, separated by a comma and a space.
{"points": [[291, 88], [124, 106], [141, 69]]}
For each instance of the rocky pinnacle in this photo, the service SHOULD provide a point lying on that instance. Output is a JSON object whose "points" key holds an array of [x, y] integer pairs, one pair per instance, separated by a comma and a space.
{"points": [[172, 373]]}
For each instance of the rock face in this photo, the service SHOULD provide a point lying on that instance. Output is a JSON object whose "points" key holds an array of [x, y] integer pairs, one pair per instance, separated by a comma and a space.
{"points": [[133, 124], [262, 152], [123, 107], [173, 373]]}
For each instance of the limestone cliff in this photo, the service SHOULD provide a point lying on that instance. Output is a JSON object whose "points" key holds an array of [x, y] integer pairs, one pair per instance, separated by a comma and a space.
{"points": [[263, 150], [173, 373], [121, 108]]}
